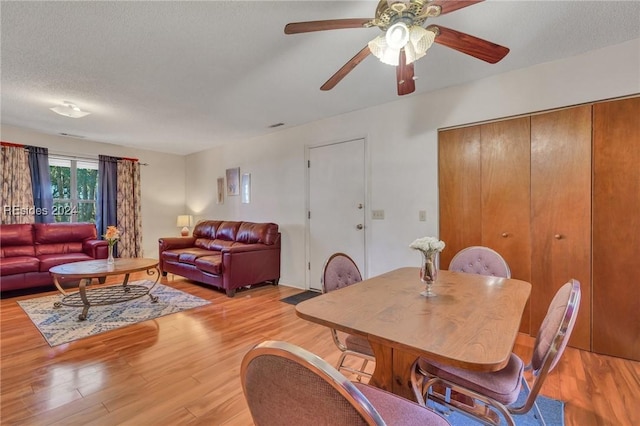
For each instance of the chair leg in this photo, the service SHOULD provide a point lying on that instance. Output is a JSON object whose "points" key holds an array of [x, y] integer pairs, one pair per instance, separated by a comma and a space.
{"points": [[364, 364]]}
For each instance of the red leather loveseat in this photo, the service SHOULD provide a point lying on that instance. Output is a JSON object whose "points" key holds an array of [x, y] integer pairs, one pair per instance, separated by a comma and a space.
{"points": [[27, 251], [224, 254]]}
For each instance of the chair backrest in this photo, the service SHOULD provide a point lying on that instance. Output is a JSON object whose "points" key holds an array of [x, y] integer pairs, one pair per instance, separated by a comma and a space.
{"points": [[339, 271], [557, 326], [286, 385], [553, 336], [480, 260]]}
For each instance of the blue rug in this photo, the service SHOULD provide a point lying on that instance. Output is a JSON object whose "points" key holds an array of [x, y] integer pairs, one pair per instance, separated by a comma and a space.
{"points": [[61, 325], [552, 411]]}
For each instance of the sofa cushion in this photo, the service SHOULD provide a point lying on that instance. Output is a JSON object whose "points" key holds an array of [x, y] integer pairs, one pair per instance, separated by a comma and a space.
{"points": [[213, 245], [187, 255], [52, 233], [227, 231], [48, 261], [18, 265], [14, 251], [59, 248], [206, 229], [16, 235], [210, 264], [252, 233]]}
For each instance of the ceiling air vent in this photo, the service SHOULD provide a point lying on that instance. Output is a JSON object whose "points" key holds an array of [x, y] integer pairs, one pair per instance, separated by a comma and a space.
{"points": [[69, 135]]}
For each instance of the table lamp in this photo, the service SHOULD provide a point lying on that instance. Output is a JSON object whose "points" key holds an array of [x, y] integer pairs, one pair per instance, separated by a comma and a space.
{"points": [[184, 220]]}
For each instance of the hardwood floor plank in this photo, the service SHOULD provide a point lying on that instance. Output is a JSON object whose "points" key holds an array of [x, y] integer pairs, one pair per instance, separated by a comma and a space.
{"points": [[183, 369]]}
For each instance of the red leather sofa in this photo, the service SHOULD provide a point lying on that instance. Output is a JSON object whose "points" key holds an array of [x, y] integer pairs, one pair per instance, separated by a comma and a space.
{"points": [[224, 254], [27, 251]]}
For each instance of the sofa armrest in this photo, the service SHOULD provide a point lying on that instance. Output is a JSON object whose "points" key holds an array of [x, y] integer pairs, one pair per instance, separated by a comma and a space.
{"points": [[98, 249], [249, 264], [171, 243]]}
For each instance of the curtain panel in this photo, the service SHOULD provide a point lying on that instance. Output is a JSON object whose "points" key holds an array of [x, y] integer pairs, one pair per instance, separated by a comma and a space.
{"points": [[106, 202], [16, 196], [129, 211], [41, 183]]}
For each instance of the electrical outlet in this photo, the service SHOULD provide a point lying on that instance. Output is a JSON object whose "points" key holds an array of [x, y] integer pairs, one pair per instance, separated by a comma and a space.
{"points": [[377, 214], [422, 215]]}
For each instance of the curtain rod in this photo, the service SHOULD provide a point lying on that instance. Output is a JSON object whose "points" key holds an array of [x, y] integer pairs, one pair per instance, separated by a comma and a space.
{"points": [[77, 157], [69, 155]]}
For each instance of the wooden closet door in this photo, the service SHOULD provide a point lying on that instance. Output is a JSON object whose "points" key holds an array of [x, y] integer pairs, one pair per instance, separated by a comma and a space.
{"points": [[505, 154], [459, 190], [561, 213], [616, 228]]}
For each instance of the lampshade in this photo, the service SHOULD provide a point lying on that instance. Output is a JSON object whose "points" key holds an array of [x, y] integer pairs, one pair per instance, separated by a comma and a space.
{"points": [[69, 110], [416, 42], [184, 221]]}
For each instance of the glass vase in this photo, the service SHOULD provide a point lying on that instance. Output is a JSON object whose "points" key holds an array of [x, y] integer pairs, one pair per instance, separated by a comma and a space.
{"points": [[110, 259], [428, 273]]}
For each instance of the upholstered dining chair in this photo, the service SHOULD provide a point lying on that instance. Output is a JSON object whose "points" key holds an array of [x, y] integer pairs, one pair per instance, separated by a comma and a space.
{"points": [[495, 393], [287, 385], [341, 271], [480, 260]]}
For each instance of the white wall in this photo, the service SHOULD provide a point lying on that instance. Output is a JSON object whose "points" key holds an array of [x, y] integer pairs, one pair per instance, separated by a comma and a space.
{"points": [[162, 181], [402, 143]]}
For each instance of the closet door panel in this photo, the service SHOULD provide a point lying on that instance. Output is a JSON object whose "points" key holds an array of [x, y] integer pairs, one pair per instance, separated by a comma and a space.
{"points": [[459, 190], [505, 153], [616, 228], [561, 213]]}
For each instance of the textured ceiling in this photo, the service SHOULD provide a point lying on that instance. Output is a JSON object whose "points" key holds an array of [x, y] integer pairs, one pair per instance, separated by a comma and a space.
{"points": [[181, 77]]}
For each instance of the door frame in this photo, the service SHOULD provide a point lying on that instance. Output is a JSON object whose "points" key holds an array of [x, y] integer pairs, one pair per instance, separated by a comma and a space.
{"points": [[366, 197]]}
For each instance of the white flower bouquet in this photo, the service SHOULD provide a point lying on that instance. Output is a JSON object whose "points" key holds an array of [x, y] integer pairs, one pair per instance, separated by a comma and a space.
{"points": [[428, 245]]}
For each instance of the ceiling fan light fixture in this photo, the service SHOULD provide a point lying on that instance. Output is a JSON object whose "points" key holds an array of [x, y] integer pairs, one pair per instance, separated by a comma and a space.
{"points": [[420, 39], [381, 50], [397, 35], [69, 109]]}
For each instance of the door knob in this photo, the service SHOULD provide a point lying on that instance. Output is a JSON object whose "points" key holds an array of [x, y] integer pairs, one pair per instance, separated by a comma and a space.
{"points": [[557, 237], [505, 234], [360, 206], [359, 226]]}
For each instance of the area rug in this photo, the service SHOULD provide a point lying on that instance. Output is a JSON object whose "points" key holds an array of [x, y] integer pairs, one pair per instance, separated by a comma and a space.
{"points": [[61, 325], [552, 411], [300, 297]]}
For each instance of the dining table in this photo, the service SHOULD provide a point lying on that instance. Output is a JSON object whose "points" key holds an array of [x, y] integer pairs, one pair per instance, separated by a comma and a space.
{"points": [[472, 321]]}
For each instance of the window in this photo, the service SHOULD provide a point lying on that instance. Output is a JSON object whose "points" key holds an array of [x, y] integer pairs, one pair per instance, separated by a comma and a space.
{"points": [[74, 184]]}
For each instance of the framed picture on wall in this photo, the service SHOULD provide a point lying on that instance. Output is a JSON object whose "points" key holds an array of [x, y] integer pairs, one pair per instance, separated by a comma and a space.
{"points": [[233, 181], [220, 199], [245, 187]]}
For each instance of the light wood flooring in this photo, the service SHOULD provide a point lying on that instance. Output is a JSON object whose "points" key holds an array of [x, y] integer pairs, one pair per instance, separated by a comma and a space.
{"points": [[183, 369]]}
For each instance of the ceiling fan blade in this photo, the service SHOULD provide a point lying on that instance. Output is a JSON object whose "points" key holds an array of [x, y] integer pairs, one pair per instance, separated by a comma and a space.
{"points": [[346, 69], [331, 24], [470, 45], [452, 5], [404, 76]]}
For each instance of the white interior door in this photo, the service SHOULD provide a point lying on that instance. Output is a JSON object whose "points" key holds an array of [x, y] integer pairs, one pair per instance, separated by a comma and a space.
{"points": [[336, 216]]}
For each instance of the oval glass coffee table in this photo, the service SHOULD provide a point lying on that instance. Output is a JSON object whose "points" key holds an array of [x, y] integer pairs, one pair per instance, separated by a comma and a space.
{"points": [[103, 294]]}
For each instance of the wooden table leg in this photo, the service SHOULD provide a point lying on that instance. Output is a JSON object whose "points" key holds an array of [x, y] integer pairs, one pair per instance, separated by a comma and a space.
{"points": [[402, 362], [382, 375], [393, 370]]}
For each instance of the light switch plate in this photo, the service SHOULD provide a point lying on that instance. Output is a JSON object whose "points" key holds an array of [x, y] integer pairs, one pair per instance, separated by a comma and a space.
{"points": [[422, 215]]}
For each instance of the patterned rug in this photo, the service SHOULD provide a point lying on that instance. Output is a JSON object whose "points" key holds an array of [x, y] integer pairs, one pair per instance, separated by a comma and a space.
{"points": [[61, 325]]}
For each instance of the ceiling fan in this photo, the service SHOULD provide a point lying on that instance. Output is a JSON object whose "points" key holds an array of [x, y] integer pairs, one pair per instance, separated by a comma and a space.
{"points": [[404, 38]]}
